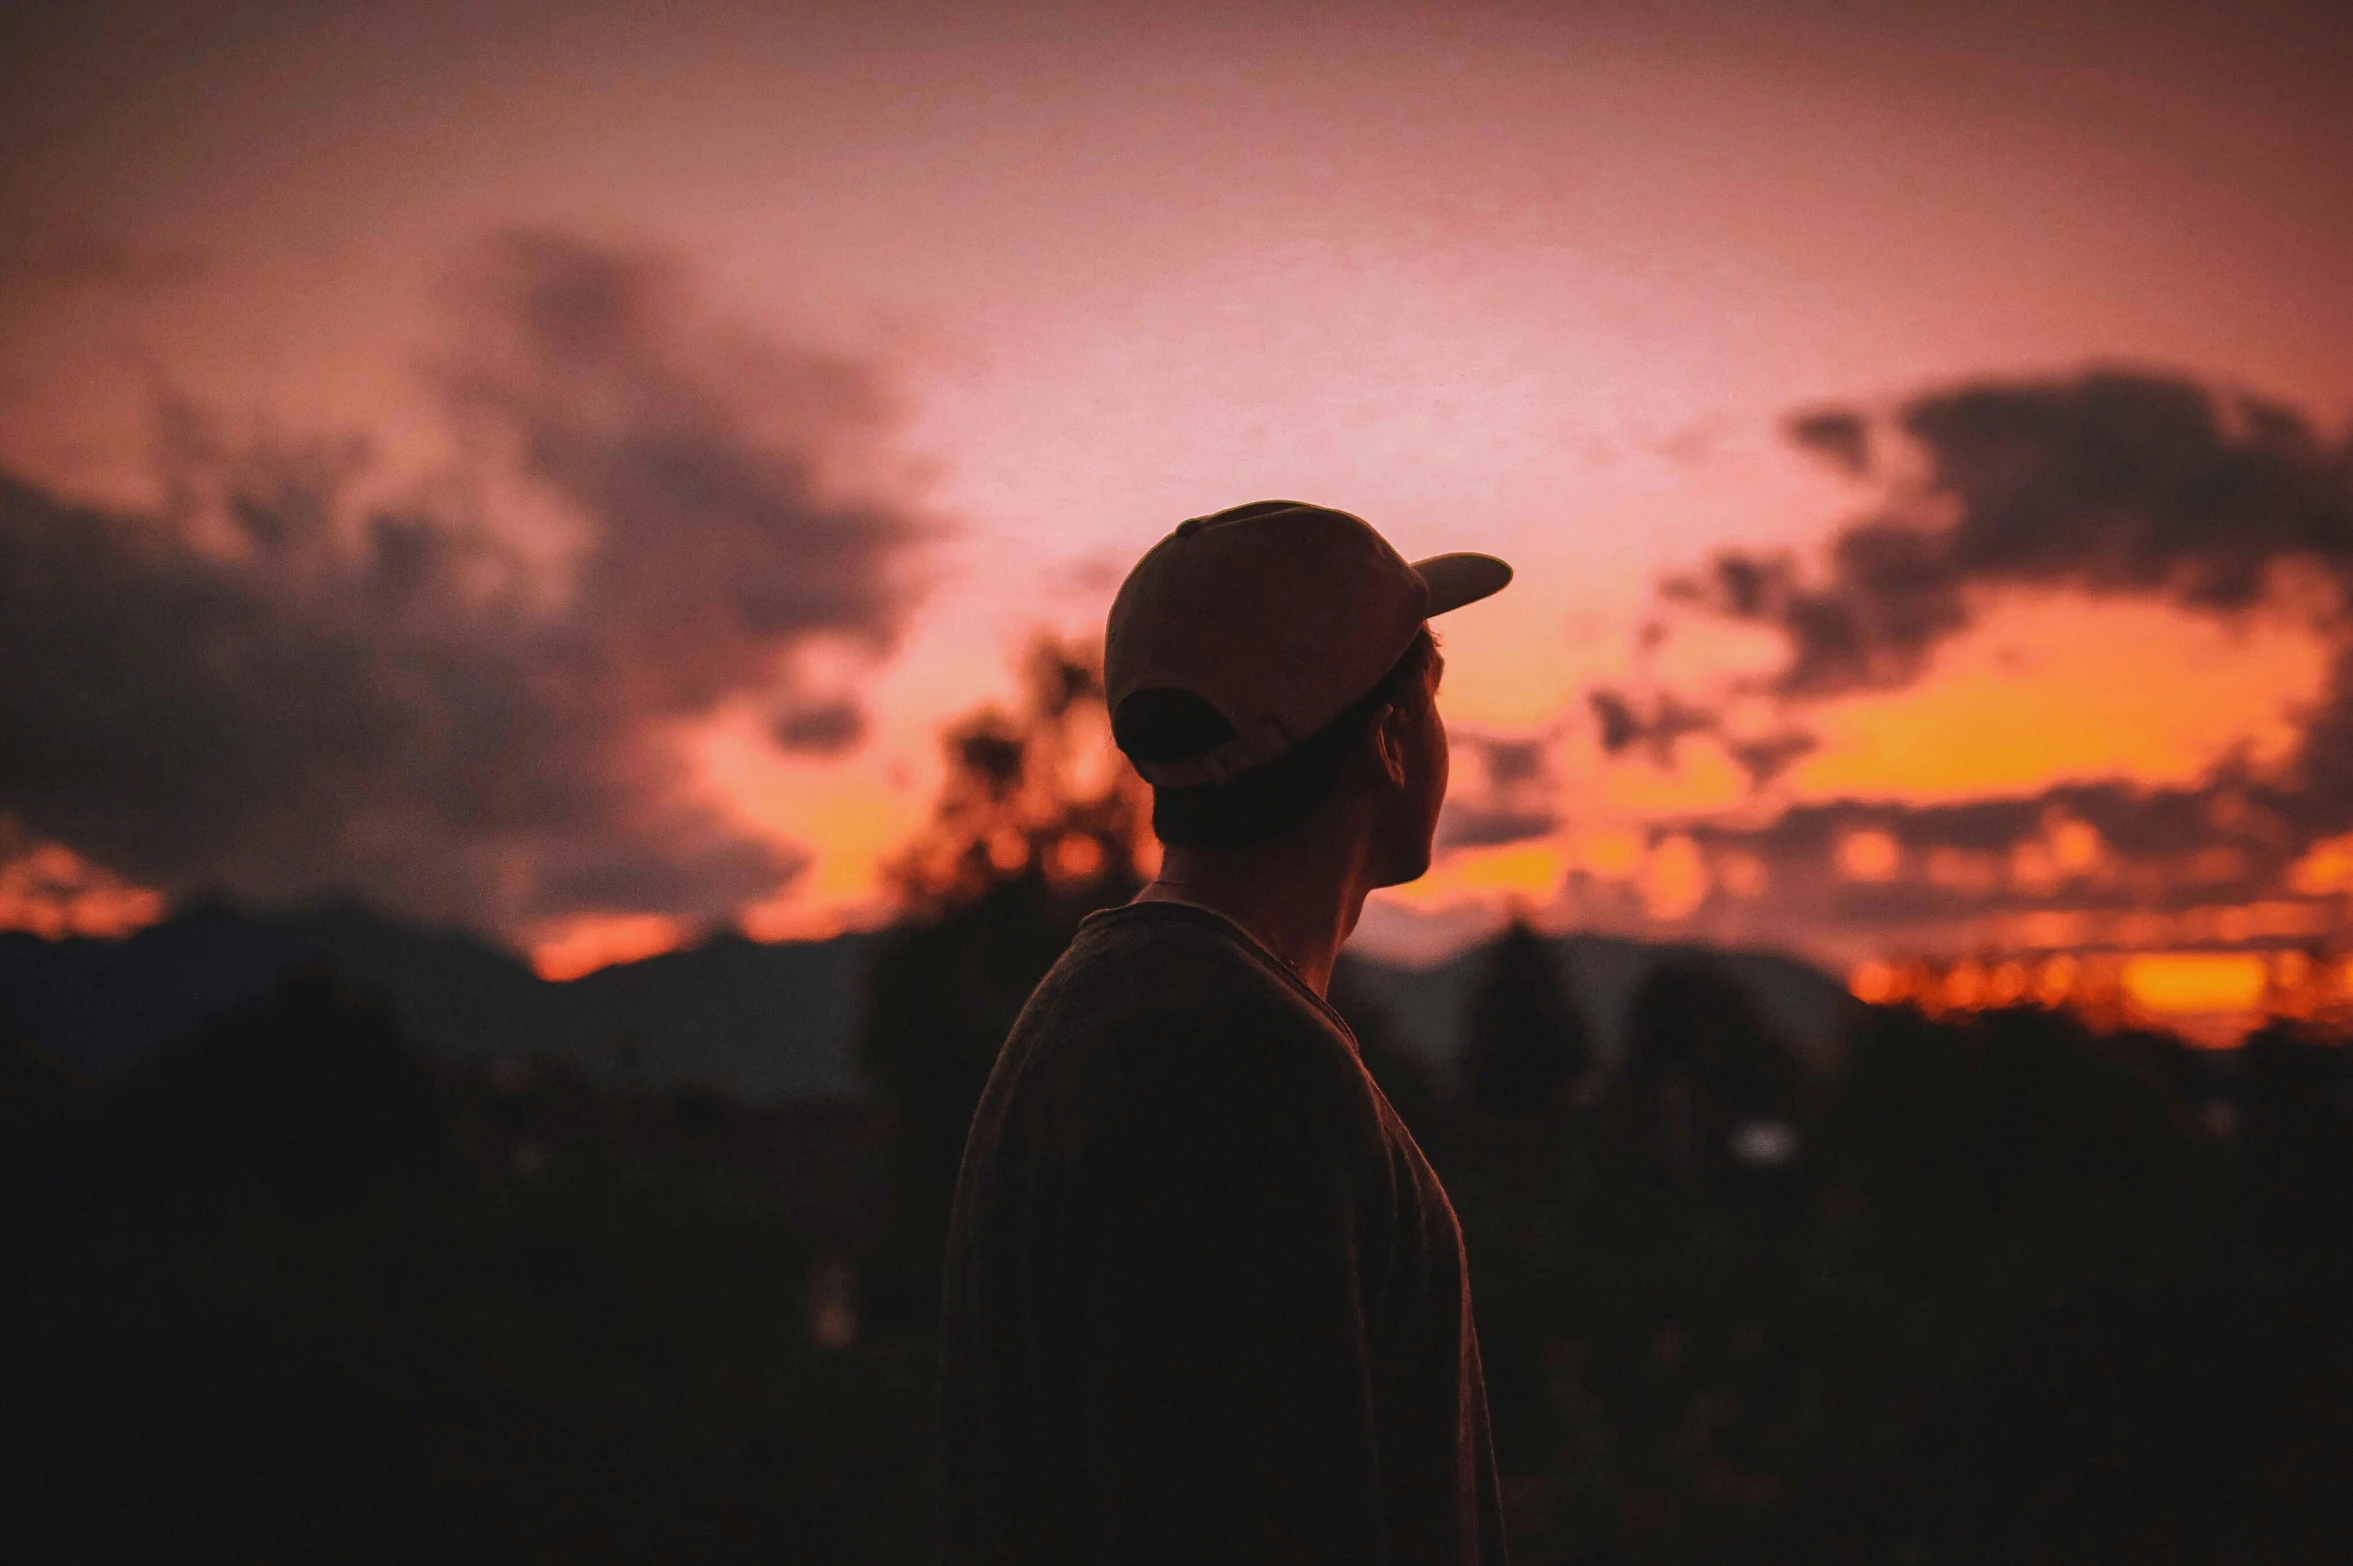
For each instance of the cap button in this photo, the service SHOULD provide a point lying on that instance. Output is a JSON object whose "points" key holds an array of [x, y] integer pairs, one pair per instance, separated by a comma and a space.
{"points": [[1188, 527]]}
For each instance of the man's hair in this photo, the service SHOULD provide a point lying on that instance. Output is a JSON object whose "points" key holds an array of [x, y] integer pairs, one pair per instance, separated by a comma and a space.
{"points": [[1275, 797]]}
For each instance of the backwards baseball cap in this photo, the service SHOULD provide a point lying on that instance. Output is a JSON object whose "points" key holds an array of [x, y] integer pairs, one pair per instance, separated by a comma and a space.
{"points": [[1278, 616]]}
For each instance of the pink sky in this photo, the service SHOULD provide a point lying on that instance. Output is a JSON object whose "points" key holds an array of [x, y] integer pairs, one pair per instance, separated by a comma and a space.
{"points": [[1511, 279]]}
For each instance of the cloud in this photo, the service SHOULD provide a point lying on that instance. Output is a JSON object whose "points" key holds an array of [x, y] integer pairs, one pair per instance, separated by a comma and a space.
{"points": [[826, 728], [1623, 726], [2095, 864], [2109, 483], [1653, 727], [1508, 795], [1472, 824], [274, 689], [1511, 762], [2106, 484], [1839, 436]]}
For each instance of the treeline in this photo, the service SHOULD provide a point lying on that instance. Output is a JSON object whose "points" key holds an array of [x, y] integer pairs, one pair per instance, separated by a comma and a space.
{"points": [[294, 1293], [2002, 1289], [1994, 1289]]}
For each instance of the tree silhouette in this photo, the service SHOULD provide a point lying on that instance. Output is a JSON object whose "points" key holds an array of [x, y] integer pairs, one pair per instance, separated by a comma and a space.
{"points": [[2011, 1153], [2295, 1103], [1528, 1045], [1699, 1064], [310, 1095], [1039, 823]]}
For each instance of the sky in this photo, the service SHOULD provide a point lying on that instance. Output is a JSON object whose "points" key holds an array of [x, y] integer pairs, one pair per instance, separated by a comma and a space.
{"points": [[556, 469]]}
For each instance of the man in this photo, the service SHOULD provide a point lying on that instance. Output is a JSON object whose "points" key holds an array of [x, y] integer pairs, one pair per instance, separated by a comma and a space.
{"points": [[1205, 1300]]}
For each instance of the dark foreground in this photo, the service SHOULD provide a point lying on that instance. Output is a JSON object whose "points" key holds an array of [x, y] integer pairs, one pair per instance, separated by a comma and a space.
{"points": [[2001, 1291]]}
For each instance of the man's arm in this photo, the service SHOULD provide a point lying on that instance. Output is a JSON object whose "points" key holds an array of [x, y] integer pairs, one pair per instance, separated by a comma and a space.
{"points": [[1228, 1402]]}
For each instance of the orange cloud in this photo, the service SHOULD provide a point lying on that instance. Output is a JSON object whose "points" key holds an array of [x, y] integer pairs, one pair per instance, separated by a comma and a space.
{"points": [[1675, 881], [2326, 868], [53, 892], [1871, 854], [569, 948], [2054, 688], [2189, 983]]}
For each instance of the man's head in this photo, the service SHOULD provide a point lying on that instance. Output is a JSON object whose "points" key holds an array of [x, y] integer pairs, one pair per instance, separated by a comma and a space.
{"points": [[1271, 664]]}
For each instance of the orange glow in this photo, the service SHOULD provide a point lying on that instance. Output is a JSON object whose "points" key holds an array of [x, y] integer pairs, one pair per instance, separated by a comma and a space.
{"points": [[2178, 983], [1510, 873], [2006, 985], [1675, 881], [579, 946], [2076, 846], [2209, 998], [2052, 689], [1869, 855], [1612, 854], [2055, 981], [1704, 778], [1742, 874], [54, 892], [850, 815], [2327, 867], [785, 919], [1074, 858], [2053, 930], [1008, 851], [1875, 983], [2033, 869]]}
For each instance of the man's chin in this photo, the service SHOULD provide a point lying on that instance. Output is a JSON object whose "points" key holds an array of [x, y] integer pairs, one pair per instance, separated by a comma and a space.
{"points": [[1409, 869]]}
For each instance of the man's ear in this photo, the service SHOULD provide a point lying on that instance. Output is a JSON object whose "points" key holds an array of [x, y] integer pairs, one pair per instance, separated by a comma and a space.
{"points": [[1386, 734]]}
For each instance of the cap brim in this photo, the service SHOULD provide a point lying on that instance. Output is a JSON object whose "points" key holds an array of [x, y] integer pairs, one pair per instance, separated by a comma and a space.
{"points": [[1455, 580]]}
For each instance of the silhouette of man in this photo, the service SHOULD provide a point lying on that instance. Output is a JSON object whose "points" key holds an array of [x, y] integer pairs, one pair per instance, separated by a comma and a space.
{"points": [[1205, 1300]]}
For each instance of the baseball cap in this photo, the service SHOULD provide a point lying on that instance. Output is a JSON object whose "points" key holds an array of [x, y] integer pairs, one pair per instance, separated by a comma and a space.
{"points": [[1277, 615]]}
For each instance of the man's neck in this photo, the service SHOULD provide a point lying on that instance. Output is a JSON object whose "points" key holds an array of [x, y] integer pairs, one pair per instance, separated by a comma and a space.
{"points": [[1301, 900]]}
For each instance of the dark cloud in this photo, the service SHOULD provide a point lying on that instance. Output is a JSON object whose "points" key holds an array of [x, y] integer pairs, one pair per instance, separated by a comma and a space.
{"points": [[274, 689], [1474, 825], [2136, 849], [1511, 762], [1508, 796], [1624, 726], [1614, 715], [2109, 483], [2106, 484], [825, 728], [2079, 865], [1765, 757], [1653, 726], [1839, 436]]}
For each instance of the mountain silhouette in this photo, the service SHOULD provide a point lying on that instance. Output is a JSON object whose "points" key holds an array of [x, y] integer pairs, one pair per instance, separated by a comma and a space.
{"points": [[1803, 1006], [765, 1021]]}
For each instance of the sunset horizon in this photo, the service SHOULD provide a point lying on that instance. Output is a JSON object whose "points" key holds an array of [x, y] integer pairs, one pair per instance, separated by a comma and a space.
{"points": [[576, 516]]}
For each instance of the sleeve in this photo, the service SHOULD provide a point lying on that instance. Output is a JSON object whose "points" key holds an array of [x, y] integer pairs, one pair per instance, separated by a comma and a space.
{"points": [[1227, 1397]]}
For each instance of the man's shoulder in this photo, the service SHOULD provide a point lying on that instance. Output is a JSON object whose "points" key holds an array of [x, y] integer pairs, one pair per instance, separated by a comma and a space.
{"points": [[1166, 987], [1161, 960]]}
